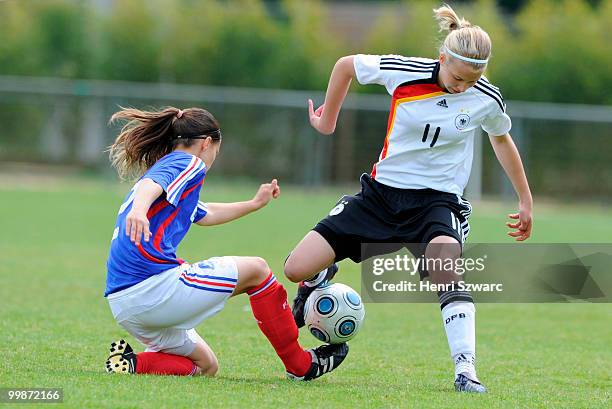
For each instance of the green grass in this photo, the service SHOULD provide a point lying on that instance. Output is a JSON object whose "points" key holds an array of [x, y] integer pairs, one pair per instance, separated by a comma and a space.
{"points": [[55, 323]]}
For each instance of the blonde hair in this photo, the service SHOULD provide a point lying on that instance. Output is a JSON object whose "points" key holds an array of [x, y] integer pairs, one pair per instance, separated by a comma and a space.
{"points": [[463, 38]]}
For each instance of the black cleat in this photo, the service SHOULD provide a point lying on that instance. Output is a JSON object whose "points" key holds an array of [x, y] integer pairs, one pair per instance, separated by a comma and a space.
{"points": [[465, 384], [325, 359], [304, 291], [122, 358]]}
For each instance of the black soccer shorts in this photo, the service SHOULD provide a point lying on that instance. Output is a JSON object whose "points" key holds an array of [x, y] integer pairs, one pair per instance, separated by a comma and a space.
{"points": [[384, 214]]}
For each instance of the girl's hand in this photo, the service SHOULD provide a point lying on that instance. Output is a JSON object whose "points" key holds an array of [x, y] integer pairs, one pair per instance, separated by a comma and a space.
{"points": [[137, 224], [315, 118], [523, 224], [266, 192]]}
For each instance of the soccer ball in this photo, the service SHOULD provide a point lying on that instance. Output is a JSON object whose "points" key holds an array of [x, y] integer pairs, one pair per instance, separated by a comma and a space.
{"points": [[334, 313]]}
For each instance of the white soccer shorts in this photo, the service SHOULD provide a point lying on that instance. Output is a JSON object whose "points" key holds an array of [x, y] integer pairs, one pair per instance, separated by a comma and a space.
{"points": [[162, 311]]}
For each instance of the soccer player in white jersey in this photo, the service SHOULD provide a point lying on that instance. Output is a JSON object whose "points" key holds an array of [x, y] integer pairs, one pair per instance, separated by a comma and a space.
{"points": [[414, 193], [159, 298]]}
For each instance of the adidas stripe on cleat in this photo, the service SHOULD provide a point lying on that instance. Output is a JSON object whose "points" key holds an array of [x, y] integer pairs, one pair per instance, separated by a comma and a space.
{"points": [[465, 384], [325, 359], [121, 359]]}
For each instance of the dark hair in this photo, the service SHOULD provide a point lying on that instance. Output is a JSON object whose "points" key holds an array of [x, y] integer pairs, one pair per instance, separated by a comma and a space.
{"points": [[147, 136]]}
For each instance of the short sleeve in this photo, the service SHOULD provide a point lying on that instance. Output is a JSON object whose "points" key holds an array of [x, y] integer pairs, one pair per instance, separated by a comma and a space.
{"points": [[174, 172], [367, 69], [199, 212], [497, 123], [390, 70]]}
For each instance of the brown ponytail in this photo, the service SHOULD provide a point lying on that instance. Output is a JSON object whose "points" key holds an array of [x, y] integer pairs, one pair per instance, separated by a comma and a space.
{"points": [[147, 136]]}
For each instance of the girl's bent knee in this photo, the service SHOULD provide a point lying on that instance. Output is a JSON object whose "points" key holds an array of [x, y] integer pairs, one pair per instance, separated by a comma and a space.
{"points": [[210, 369], [261, 265], [292, 271]]}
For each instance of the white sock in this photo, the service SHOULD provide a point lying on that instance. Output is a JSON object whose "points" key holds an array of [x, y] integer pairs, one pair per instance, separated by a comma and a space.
{"points": [[316, 279], [459, 320]]}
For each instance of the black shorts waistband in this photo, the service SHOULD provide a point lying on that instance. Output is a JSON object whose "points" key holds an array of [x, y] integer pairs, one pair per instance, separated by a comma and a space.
{"points": [[368, 180]]}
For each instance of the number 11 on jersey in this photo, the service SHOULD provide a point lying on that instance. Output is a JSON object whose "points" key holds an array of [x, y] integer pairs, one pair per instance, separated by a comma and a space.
{"points": [[435, 137]]}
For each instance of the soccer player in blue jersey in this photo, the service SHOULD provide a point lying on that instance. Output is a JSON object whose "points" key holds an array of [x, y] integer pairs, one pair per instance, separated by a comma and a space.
{"points": [[159, 298], [414, 192]]}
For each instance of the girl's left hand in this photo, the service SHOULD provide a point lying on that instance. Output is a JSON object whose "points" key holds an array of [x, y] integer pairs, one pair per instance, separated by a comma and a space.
{"points": [[266, 192], [523, 224]]}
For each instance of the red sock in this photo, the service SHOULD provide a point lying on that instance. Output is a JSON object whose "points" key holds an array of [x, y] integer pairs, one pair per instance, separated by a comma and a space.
{"points": [[273, 315], [159, 363]]}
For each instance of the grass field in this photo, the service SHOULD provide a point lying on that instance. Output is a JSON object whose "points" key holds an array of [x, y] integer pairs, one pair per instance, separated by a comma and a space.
{"points": [[56, 325]]}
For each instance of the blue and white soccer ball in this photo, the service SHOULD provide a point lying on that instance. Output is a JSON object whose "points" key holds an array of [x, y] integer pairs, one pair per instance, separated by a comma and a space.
{"points": [[334, 313]]}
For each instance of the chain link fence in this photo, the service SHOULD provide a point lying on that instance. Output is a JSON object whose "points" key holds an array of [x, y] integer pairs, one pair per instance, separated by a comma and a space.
{"points": [[567, 149]]}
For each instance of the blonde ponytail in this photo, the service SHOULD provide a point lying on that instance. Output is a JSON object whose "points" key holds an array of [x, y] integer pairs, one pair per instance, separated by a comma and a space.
{"points": [[449, 20], [463, 39]]}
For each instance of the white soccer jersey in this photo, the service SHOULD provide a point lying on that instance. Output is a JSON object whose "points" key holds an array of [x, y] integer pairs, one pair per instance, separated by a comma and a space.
{"points": [[430, 132]]}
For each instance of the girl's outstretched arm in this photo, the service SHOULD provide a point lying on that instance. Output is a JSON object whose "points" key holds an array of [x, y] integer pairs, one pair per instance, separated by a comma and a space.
{"points": [[324, 118], [136, 221], [508, 156], [219, 213]]}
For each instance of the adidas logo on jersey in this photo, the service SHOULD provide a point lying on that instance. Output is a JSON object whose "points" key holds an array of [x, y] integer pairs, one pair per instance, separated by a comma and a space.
{"points": [[442, 104]]}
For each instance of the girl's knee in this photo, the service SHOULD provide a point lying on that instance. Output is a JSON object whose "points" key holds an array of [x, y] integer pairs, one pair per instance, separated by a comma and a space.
{"points": [[443, 247], [261, 266], [205, 360], [252, 271], [292, 270], [259, 270], [210, 369]]}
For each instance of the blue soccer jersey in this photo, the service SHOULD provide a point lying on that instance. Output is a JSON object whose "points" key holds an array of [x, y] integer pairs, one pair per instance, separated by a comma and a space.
{"points": [[181, 176]]}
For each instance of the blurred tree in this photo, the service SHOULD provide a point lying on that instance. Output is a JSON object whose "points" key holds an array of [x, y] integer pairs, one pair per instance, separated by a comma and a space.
{"points": [[45, 38], [17, 55], [561, 53], [551, 50], [307, 54], [60, 39], [511, 6], [131, 46]]}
